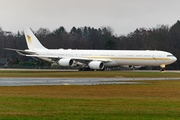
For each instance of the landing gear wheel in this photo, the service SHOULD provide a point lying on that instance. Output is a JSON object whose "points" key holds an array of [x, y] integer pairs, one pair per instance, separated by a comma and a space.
{"points": [[84, 69], [162, 69]]}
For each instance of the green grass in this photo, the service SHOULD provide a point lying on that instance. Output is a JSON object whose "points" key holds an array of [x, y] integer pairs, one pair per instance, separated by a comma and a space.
{"points": [[157, 100], [27, 73]]}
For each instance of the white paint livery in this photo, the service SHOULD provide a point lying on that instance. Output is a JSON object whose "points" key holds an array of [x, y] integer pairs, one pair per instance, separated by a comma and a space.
{"points": [[94, 59]]}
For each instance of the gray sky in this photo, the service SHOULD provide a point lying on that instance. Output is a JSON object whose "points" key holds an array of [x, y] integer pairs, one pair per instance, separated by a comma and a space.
{"points": [[124, 16]]}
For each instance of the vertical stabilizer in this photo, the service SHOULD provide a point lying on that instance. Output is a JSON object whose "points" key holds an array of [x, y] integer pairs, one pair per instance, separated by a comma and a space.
{"points": [[31, 40]]}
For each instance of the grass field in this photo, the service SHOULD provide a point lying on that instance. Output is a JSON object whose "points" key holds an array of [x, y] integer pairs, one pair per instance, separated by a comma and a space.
{"points": [[106, 74], [155, 100], [152, 101]]}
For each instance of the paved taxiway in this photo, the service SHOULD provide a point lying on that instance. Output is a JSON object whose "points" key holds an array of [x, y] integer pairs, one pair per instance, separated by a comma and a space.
{"points": [[73, 81]]}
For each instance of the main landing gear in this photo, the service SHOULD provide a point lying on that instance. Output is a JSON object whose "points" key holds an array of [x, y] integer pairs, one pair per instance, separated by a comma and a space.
{"points": [[84, 69], [89, 69]]}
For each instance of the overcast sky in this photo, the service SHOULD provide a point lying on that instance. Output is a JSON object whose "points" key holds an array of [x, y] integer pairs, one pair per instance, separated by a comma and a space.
{"points": [[124, 16]]}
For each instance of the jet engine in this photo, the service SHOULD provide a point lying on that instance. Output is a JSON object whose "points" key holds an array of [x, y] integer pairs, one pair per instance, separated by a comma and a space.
{"points": [[96, 65], [65, 62]]}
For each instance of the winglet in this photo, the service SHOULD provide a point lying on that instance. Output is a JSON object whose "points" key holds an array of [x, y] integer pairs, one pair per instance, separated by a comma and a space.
{"points": [[31, 40]]}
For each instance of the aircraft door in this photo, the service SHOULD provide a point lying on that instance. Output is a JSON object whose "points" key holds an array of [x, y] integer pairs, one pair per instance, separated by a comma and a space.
{"points": [[156, 58]]}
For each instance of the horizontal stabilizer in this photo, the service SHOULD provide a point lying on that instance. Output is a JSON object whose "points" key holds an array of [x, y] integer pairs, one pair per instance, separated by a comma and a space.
{"points": [[21, 52]]}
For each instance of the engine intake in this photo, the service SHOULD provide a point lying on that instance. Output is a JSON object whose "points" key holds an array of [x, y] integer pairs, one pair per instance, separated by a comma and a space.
{"points": [[96, 65], [65, 62]]}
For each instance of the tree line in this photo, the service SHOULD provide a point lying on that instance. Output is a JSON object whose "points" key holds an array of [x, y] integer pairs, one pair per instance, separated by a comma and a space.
{"points": [[161, 37]]}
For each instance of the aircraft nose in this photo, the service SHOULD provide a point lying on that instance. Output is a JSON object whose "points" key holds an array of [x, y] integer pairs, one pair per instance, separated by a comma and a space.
{"points": [[174, 59]]}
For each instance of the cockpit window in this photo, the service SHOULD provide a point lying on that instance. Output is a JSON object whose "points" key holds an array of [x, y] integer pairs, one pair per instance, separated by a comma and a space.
{"points": [[170, 56]]}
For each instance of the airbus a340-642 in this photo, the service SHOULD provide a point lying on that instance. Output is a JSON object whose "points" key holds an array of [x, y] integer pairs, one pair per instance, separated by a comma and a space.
{"points": [[94, 59]]}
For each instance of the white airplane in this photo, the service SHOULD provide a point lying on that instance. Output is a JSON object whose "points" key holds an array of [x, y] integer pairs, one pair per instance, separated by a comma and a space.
{"points": [[94, 59]]}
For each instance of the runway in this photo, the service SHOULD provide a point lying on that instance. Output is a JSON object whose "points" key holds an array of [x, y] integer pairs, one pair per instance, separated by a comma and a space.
{"points": [[74, 81]]}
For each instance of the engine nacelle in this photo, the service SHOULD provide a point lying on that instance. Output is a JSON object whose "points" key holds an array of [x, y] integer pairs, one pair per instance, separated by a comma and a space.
{"points": [[65, 62], [96, 65]]}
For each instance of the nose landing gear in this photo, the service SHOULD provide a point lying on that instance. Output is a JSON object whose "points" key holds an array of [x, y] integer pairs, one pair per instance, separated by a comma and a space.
{"points": [[162, 67]]}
